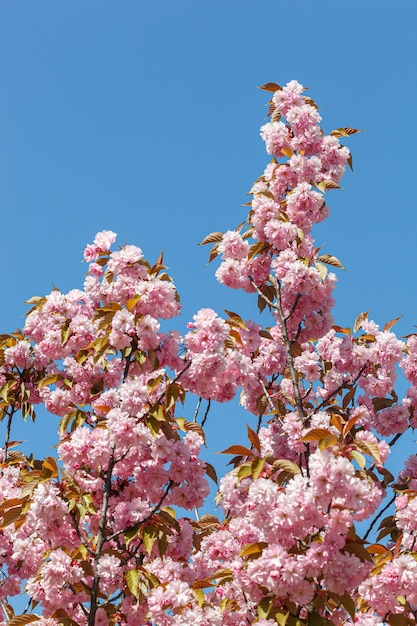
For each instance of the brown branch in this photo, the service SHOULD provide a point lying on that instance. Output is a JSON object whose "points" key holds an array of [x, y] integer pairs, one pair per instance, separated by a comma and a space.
{"points": [[8, 431], [287, 344], [270, 402], [100, 542], [342, 386], [206, 413]]}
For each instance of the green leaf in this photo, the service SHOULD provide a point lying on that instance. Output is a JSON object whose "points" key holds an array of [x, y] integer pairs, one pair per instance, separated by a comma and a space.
{"points": [[257, 467], [132, 581], [287, 466], [314, 619], [131, 533], [264, 607], [322, 269], [244, 471], [359, 458], [148, 538]]}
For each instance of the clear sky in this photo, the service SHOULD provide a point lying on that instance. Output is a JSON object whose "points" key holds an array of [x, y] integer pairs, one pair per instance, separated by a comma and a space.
{"points": [[143, 117]]}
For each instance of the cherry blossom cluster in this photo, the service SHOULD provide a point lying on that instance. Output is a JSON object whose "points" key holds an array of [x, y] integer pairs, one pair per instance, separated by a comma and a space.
{"points": [[108, 533]]}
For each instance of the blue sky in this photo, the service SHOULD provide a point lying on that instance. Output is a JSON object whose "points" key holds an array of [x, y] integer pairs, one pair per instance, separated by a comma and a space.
{"points": [[143, 118]]}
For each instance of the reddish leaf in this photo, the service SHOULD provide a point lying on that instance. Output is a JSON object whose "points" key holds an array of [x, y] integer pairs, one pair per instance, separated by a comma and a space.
{"points": [[254, 439], [362, 317], [272, 87], [239, 450]]}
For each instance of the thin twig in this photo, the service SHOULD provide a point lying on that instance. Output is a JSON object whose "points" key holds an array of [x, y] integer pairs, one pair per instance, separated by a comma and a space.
{"points": [[197, 408], [269, 400], [206, 413], [376, 518], [8, 431]]}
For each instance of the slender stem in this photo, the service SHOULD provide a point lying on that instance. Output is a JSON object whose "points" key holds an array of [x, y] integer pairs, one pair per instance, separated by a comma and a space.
{"points": [[395, 438]]}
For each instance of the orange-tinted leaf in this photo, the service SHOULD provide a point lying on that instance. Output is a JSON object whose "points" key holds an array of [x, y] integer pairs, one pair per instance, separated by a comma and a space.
{"points": [[272, 87], [315, 434], [208, 520], [259, 247], [344, 330], [327, 442], [235, 319], [310, 101], [20, 620], [238, 450], [376, 548], [254, 439], [50, 465], [287, 151], [132, 302], [253, 549], [345, 132], [362, 317], [276, 115], [50, 380], [370, 448], [212, 238], [391, 323], [327, 184], [213, 253], [330, 260]]}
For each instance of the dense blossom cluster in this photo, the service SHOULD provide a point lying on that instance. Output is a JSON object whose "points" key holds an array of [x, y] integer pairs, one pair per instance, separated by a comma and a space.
{"points": [[96, 538]]}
